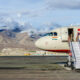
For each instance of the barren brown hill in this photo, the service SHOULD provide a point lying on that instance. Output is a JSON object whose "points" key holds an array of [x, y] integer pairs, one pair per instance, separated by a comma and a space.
{"points": [[9, 39]]}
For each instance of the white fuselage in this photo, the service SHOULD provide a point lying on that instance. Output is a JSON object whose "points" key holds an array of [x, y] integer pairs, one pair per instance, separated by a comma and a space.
{"points": [[58, 39]]}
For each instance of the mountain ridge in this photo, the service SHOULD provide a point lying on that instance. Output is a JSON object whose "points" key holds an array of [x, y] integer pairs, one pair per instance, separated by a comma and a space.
{"points": [[11, 39]]}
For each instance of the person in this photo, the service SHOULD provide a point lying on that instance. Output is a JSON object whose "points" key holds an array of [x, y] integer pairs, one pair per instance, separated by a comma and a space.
{"points": [[78, 37], [70, 38]]}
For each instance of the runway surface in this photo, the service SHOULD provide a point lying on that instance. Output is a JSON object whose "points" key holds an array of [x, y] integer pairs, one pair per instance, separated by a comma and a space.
{"points": [[35, 68], [23, 61]]}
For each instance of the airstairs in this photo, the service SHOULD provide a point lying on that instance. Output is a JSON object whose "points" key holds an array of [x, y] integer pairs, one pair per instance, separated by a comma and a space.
{"points": [[75, 49]]}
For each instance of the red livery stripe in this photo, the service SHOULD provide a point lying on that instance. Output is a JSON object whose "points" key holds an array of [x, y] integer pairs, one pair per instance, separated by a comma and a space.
{"points": [[78, 29], [66, 51], [60, 51]]}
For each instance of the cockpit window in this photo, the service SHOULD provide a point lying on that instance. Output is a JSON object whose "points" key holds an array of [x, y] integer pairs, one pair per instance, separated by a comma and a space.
{"points": [[51, 34], [55, 33]]}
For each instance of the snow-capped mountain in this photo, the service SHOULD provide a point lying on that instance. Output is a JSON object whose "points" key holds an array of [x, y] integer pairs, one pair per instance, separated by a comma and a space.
{"points": [[33, 32]]}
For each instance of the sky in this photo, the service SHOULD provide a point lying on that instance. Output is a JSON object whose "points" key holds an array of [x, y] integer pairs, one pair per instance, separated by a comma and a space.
{"points": [[40, 13]]}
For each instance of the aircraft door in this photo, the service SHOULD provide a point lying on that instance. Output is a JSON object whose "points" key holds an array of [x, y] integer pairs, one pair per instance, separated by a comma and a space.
{"points": [[64, 33], [71, 34]]}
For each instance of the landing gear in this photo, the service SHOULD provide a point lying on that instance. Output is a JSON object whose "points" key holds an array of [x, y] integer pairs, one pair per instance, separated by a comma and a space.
{"points": [[69, 63], [72, 66]]}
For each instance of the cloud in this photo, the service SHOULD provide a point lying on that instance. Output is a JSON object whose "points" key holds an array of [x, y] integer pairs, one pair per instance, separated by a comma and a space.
{"points": [[32, 13], [19, 15], [48, 26], [11, 24], [51, 24], [2, 14], [8, 22], [63, 4]]}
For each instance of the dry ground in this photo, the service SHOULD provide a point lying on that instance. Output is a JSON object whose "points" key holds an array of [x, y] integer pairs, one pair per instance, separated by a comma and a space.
{"points": [[35, 68]]}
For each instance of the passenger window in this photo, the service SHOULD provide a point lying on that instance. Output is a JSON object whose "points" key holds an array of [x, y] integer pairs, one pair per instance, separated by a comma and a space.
{"points": [[55, 33]]}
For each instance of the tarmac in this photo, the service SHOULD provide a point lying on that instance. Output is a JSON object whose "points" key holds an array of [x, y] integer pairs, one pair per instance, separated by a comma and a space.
{"points": [[35, 68]]}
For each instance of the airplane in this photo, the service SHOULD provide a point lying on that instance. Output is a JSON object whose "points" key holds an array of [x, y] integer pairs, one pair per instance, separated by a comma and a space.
{"points": [[58, 39]]}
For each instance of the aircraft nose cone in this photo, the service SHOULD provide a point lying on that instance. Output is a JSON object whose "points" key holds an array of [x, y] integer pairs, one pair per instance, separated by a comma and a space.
{"points": [[37, 43], [41, 43]]}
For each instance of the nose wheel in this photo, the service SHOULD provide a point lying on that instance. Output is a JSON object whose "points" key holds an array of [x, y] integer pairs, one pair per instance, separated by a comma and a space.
{"points": [[69, 63]]}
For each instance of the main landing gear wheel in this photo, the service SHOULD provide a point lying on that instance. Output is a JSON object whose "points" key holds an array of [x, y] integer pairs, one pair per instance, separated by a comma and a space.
{"points": [[72, 66]]}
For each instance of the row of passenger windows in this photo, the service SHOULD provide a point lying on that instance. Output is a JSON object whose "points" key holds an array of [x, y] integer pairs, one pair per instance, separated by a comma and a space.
{"points": [[51, 34]]}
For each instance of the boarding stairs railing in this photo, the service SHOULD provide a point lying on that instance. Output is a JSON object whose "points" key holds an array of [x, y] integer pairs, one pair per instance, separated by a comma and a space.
{"points": [[75, 49]]}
